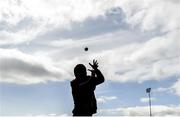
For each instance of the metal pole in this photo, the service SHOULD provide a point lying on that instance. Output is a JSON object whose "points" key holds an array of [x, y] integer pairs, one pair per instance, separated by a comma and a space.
{"points": [[150, 104]]}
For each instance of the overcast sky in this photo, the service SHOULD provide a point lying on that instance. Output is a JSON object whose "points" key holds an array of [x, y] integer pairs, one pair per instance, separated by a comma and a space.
{"points": [[136, 43]]}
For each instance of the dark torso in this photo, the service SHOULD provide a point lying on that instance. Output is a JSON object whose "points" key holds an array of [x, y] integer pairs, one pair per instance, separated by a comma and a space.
{"points": [[83, 95]]}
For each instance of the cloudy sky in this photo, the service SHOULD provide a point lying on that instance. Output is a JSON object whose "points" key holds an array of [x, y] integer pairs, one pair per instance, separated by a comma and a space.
{"points": [[136, 43]]}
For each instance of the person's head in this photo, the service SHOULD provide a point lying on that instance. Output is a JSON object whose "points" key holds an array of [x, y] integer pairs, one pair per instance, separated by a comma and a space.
{"points": [[80, 71]]}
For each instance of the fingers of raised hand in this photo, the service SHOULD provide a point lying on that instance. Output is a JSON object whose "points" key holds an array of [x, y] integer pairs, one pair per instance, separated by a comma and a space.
{"points": [[94, 65], [95, 61], [90, 64], [90, 70]]}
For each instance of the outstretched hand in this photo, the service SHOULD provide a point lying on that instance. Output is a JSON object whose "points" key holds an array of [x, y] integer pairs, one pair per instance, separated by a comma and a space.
{"points": [[94, 65]]}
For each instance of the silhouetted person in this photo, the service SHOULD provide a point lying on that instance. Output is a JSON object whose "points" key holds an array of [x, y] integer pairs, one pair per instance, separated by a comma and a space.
{"points": [[83, 87]]}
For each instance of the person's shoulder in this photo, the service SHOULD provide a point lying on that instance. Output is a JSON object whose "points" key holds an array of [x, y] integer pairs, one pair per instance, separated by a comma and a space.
{"points": [[73, 82]]}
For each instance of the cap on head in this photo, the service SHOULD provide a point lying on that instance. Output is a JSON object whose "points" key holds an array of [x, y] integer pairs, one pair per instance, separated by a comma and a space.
{"points": [[80, 71]]}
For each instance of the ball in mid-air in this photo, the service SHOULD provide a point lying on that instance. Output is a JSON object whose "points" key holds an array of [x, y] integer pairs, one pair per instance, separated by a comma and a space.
{"points": [[86, 48]]}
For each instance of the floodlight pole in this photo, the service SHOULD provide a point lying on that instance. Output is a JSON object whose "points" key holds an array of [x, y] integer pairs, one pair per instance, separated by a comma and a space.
{"points": [[149, 93]]}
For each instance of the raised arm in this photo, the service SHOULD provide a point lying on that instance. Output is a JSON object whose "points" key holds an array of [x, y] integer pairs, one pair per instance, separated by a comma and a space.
{"points": [[96, 73]]}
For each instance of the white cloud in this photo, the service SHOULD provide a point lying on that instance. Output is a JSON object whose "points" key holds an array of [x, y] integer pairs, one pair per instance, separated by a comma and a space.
{"points": [[44, 115], [173, 89], [176, 88], [24, 20], [152, 14], [21, 68], [154, 59], [105, 99], [144, 99], [157, 110], [161, 89]]}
